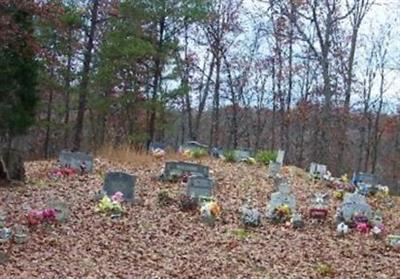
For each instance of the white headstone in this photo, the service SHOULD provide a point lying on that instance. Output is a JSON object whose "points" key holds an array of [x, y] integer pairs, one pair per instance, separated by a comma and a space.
{"points": [[280, 157]]}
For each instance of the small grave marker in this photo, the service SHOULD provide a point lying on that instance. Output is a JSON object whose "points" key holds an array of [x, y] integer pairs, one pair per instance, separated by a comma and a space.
{"points": [[273, 169], [76, 160], [120, 182], [280, 157], [319, 209], [318, 169], [241, 155], [199, 186]]}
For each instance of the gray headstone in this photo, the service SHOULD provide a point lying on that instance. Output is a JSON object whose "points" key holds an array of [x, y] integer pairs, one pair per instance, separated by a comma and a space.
{"points": [[355, 203], [120, 182], [367, 178], [278, 199], [173, 167], [284, 187], [273, 169], [280, 157], [241, 155], [199, 186], [75, 160]]}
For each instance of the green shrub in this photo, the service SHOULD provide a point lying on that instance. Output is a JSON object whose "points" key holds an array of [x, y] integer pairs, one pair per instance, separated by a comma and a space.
{"points": [[229, 156], [198, 153], [265, 156]]}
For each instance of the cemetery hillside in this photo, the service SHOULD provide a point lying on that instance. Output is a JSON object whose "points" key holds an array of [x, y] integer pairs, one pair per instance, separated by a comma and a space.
{"points": [[157, 237], [199, 139]]}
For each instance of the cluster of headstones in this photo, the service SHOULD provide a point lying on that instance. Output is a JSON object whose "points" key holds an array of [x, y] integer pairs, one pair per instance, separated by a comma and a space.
{"points": [[199, 181], [354, 207]]}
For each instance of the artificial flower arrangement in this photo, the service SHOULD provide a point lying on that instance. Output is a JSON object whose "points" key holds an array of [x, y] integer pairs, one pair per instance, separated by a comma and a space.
{"points": [[338, 194], [250, 161], [209, 209], [111, 205], [282, 213], [158, 153], [251, 217], [62, 172], [37, 217]]}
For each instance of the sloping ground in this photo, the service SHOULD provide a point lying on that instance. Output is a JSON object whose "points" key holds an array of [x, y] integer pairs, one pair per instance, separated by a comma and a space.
{"points": [[150, 241]]}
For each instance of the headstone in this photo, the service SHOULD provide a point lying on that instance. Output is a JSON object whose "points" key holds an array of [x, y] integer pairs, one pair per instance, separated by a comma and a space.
{"points": [[199, 186], [282, 197], [241, 155], [120, 182], [355, 205], [76, 160], [319, 206], [318, 169], [273, 169], [284, 187], [280, 157], [366, 178], [180, 168]]}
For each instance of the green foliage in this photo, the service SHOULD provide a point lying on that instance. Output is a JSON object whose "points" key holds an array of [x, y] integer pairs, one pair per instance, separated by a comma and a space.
{"points": [[241, 233], [229, 156], [265, 156], [18, 80], [198, 153]]}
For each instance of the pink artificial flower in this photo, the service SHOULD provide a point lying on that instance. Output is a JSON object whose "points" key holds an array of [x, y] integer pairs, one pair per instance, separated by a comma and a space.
{"points": [[118, 197], [49, 214], [363, 227]]}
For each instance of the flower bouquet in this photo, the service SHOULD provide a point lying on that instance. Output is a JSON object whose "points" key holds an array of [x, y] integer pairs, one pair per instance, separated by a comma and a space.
{"points": [[111, 205]]}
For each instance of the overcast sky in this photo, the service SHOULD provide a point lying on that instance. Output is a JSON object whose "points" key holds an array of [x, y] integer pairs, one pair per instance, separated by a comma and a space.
{"points": [[382, 13]]}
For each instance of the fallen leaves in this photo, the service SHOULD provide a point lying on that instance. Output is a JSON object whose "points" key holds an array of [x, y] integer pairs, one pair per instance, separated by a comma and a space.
{"points": [[153, 240]]}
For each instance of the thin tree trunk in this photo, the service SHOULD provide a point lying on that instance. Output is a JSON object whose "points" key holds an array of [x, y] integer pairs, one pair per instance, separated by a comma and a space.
{"points": [[156, 83], [48, 124], [67, 91], [85, 76]]}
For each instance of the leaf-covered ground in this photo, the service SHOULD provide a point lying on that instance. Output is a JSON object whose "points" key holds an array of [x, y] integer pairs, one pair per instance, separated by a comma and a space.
{"points": [[151, 241]]}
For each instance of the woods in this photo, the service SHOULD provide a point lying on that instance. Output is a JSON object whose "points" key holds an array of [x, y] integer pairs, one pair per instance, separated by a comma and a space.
{"points": [[304, 76]]}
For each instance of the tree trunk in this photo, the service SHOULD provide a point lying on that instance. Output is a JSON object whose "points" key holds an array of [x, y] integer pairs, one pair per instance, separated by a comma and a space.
{"points": [[48, 124], [156, 83], [85, 76], [67, 88], [214, 133]]}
